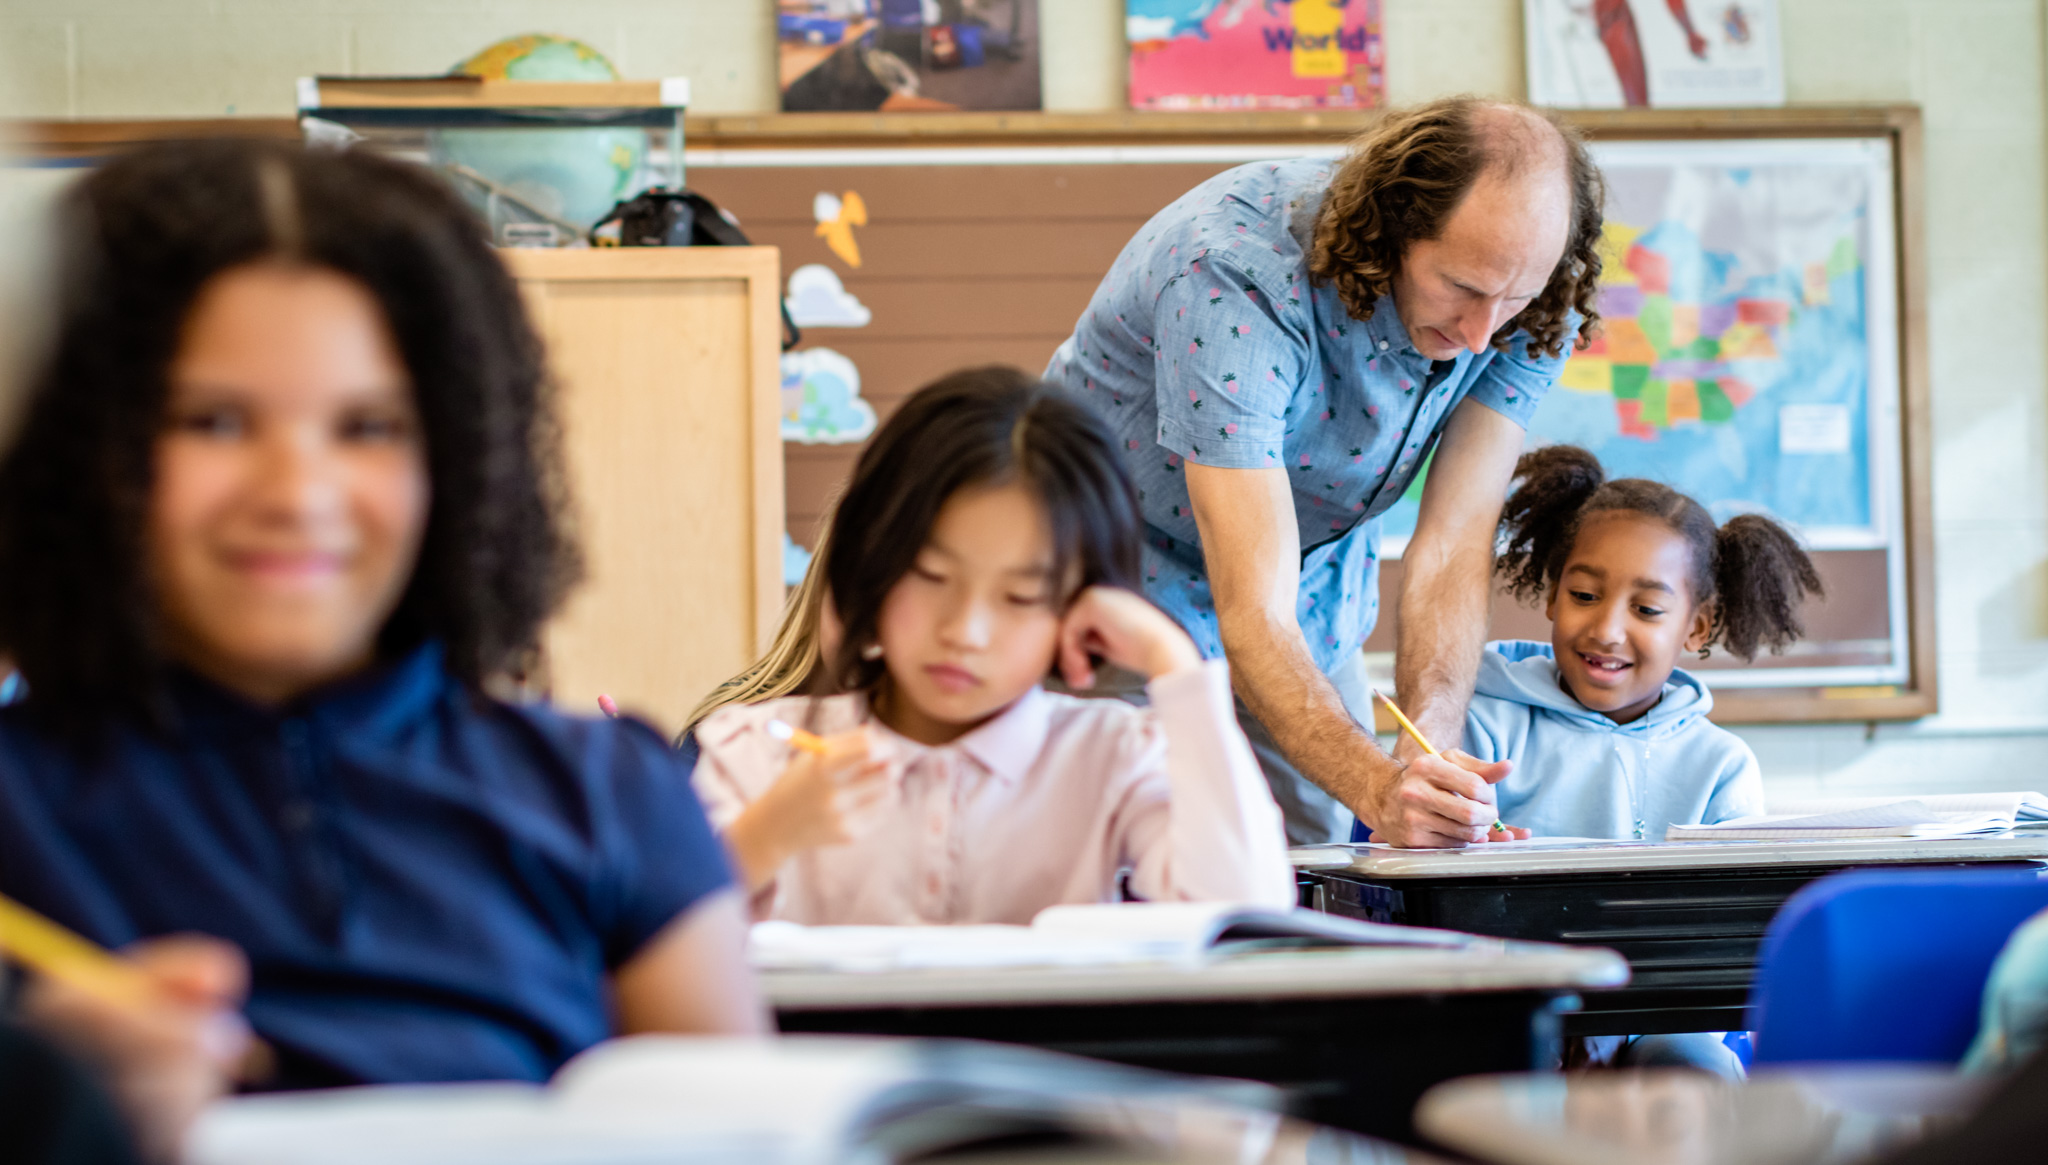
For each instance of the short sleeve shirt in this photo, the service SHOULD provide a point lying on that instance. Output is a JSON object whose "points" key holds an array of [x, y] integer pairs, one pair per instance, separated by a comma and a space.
{"points": [[430, 885], [1207, 342]]}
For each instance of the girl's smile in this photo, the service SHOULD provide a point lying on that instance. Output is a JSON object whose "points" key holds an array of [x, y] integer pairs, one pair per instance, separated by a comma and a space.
{"points": [[1622, 612]]}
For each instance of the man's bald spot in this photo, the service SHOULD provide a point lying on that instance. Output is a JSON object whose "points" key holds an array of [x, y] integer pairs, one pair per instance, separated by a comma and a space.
{"points": [[1517, 141]]}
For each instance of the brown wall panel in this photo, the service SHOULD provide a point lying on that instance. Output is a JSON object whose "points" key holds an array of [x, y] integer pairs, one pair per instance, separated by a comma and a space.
{"points": [[768, 195], [960, 266], [915, 250]]}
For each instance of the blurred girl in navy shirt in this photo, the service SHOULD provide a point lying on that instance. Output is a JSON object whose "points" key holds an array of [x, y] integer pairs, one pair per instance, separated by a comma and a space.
{"points": [[285, 510]]}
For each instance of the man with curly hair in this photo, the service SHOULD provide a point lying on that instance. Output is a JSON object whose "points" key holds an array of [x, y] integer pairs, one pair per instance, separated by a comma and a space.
{"points": [[1283, 350]]}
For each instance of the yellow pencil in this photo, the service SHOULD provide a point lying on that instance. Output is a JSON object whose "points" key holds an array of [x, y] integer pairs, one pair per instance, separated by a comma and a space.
{"points": [[58, 953], [810, 742], [1415, 734]]}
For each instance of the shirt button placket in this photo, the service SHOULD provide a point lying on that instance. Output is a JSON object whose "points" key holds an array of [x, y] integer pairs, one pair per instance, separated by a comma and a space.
{"points": [[938, 853], [321, 863]]}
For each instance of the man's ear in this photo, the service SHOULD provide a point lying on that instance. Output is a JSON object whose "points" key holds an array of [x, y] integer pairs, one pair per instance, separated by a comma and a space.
{"points": [[1702, 632]]}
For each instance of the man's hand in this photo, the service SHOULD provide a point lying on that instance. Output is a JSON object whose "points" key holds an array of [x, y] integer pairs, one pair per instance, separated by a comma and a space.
{"points": [[1440, 801]]}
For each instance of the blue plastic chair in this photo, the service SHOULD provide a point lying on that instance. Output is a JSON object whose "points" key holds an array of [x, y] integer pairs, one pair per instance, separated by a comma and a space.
{"points": [[1885, 965]]}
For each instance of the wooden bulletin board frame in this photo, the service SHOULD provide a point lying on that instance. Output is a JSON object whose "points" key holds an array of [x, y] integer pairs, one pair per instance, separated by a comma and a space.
{"points": [[1900, 125]]}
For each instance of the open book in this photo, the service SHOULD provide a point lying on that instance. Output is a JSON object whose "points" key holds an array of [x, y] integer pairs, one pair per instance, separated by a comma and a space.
{"points": [[797, 1100], [1090, 935], [1936, 815]]}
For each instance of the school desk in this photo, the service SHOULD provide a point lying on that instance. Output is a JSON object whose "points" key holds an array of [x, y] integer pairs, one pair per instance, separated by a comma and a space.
{"points": [[1689, 916], [1819, 1116], [1355, 1035]]}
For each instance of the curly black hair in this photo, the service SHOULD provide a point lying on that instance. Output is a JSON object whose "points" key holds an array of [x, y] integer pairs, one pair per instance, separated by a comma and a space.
{"points": [[1404, 177], [1749, 571], [978, 426], [137, 241]]}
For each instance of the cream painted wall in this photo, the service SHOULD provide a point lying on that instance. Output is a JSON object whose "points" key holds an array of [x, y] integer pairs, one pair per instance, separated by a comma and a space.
{"points": [[1974, 66]]}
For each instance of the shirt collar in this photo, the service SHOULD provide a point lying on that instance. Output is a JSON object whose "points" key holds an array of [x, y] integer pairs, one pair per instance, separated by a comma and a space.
{"points": [[1009, 744], [376, 702], [1385, 327]]}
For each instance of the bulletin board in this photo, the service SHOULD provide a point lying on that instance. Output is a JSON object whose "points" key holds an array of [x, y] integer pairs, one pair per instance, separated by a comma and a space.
{"points": [[927, 247]]}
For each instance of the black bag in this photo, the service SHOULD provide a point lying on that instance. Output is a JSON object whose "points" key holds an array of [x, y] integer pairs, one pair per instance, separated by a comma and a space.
{"points": [[659, 217]]}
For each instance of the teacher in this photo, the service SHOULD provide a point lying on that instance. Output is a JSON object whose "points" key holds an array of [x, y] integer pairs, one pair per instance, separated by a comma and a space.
{"points": [[1281, 351]]}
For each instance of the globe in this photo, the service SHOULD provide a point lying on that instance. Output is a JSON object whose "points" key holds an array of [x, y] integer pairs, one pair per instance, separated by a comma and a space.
{"points": [[572, 174]]}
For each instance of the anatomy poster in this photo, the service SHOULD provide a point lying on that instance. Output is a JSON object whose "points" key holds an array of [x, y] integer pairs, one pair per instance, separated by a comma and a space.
{"points": [[1606, 54]]}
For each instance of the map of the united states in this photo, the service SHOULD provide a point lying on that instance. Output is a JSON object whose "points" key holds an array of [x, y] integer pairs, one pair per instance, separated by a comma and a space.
{"points": [[1668, 361], [1735, 355]]}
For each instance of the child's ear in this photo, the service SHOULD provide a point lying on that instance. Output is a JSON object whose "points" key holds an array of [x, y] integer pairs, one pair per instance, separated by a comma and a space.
{"points": [[1550, 601], [1702, 632]]}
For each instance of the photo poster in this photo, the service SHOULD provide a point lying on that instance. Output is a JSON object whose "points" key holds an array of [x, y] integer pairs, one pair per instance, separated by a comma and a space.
{"points": [[1256, 54], [907, 55], [1613, 54]]}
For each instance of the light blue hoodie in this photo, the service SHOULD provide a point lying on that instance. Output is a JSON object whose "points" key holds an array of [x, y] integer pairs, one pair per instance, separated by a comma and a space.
{"points": [[1579, 774]]}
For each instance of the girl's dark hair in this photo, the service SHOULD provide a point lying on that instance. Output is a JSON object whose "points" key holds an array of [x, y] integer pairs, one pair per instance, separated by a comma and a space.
{"points": [[978, 427], [137, 241], [1749, 572]]}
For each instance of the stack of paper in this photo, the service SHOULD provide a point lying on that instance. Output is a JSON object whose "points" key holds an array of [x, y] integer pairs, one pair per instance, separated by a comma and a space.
{"points": [[1091, 935], [1937, 815]]}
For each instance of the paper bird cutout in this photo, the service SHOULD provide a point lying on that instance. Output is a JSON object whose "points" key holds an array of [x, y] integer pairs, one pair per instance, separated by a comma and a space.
{"points": [[836, 220]]}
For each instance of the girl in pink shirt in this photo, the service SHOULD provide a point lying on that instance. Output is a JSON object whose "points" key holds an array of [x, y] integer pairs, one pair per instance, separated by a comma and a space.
{"points": [[989, 535]]}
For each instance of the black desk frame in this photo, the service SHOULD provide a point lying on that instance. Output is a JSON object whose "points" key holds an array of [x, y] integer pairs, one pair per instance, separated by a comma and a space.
{"points": [[1691, 936], [1356, 1063]]}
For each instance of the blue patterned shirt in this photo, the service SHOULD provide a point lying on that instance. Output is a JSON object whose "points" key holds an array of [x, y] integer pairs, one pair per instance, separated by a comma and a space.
{"points": [[1206, 342]]}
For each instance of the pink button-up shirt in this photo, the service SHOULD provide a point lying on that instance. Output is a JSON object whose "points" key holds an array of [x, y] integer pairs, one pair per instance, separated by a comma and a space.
{"points": [[1043, 805]]}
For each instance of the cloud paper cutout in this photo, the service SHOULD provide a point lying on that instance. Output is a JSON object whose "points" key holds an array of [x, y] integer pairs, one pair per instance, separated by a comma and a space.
{"points": [[818, 300], [821, 402]]}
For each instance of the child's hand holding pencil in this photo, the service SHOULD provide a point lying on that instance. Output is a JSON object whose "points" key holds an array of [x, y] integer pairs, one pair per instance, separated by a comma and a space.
{"points": [[828, 794], [160, 1021]]}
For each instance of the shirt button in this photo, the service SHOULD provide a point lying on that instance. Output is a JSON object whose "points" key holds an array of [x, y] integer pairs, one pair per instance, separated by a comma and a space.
{"points": [[298, 816], [1383, 345]]}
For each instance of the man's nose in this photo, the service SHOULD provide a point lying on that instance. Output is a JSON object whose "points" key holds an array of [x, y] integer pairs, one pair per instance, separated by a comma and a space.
{"points": [[1476, 327]]}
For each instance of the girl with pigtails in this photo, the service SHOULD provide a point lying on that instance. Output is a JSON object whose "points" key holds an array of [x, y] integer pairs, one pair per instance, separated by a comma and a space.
{"points": [[1608, 736]]}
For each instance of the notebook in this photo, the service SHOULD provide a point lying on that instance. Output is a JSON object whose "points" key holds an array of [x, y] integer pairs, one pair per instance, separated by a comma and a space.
{"points": [[1929, 816], [796, 1100], [1084, 935]]}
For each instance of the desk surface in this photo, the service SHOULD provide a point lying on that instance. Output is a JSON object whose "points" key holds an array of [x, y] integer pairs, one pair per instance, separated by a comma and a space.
{"points": [[1349, 973], [1604, 857], [1814, 1117]]}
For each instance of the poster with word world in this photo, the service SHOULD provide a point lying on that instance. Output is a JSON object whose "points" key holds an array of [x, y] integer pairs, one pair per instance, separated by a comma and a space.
{"points": [[1256, 54]]}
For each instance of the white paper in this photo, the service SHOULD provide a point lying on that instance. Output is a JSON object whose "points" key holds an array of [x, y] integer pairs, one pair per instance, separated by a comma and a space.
{"points": [[1822, 428]]}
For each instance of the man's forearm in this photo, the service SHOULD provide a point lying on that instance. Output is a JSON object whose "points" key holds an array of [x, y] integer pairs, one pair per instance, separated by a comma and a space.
{"points": [[1443, 617], [1277, 678]]}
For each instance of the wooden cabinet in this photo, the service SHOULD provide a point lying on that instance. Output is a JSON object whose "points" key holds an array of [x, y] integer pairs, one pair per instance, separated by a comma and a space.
{"points": [[665, 362]]}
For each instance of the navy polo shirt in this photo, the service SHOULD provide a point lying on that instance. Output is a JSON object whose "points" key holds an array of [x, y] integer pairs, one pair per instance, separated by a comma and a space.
{"points": [[430, 885]]}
